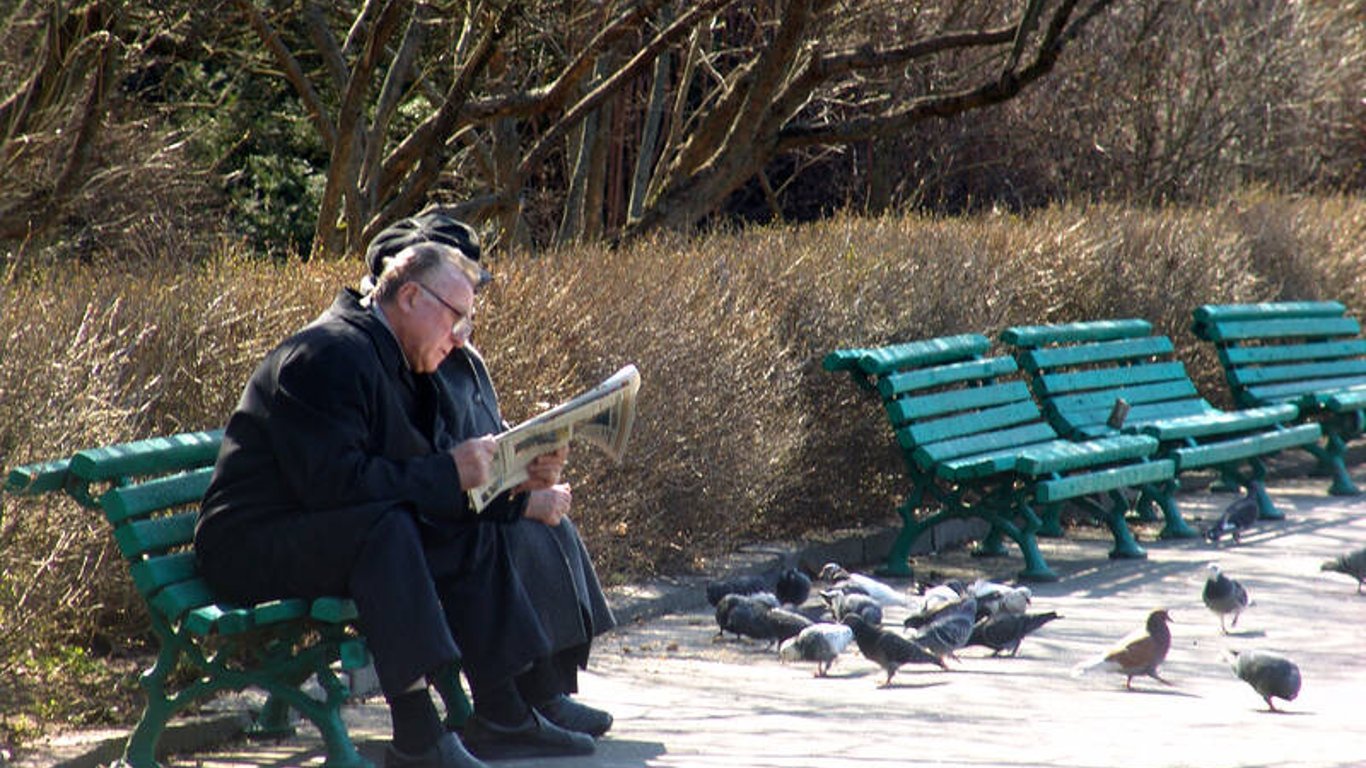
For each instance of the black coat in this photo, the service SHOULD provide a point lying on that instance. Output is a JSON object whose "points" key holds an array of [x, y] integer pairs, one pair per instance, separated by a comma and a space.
{"points": [[332, 433]]}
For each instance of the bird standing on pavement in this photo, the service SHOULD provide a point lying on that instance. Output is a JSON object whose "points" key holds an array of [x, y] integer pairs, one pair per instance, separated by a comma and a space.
{"points": [[949, 630], [844, 603], [737, 585], [1004, 631], [783, 625], [793, 587], [1269, 674], [887, 649], [1352, 564], [884, 594], [1138, 653], [821, 643], [1238, 517], [994, 597], [1224, 596], [743, 615]]}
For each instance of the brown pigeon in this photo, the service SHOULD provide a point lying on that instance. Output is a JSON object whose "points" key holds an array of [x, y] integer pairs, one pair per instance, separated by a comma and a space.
{"points": [[1139, 653], [1352, 564]]}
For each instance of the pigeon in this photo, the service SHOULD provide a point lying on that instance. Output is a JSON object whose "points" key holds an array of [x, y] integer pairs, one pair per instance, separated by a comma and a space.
{"points": [[936, 599], [784, 624], [1224, 596], [741, 615], [821, 643], [1238, 517], [844, 603], [1269, 674], [1138, 653], [1004, 631], [949, 630], [793, 587], [739, 585], [1352, 564], [887, 649], [884, 594], [993, 597]]}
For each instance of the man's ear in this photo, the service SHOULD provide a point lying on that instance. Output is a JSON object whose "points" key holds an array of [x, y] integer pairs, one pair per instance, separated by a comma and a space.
{"points": [[406, 296]]}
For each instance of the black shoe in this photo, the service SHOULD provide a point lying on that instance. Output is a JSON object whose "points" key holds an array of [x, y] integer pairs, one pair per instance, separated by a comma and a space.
{"points": [[538, 737], [447, 752], [573, 716]]}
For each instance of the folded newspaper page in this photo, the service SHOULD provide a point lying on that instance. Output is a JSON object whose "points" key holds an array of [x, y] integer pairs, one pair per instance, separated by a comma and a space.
{"points": [[602, 416]]}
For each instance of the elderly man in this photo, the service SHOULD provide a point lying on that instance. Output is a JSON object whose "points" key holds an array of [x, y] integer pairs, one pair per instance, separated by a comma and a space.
{"points": [[550, 560], [337, 477]]}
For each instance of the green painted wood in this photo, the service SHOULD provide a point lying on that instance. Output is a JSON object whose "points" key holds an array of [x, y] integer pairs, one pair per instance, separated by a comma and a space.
{"points": [[1097, 353], [1308, 328], [135, 501], [929, 455], [1313, 393], [1343, 402], [1066, 455], [916, 354], [1100, 481], [1218, 313], [151, 456], [35, 479], [979, 466], [1254, 445], [970, 423], [1052, 384], [1092, 418], [1215, 422], [333, 610], [279, 611], [154, 573], [896, 384], [154, 536], [176, 600], [1287, 353], [843, 359], [902, 410], [218, 619], [1073, 333], [1251, 376], [1136, 395]]}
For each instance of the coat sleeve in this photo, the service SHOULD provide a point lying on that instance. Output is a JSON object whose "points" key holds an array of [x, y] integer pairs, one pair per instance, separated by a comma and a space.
{"points": [[342, 439]]}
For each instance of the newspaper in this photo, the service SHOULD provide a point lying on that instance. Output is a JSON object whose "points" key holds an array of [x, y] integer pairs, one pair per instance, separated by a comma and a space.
{"points": [[601, 416]]}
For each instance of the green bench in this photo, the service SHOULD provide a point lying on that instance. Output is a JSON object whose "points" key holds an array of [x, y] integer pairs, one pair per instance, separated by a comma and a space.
{"points": [[1079, 371], [1305, 353], [975, 445], [149, 492]]}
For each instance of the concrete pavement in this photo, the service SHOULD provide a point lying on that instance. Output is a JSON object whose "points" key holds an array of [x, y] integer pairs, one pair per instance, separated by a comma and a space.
{"points": [[682, 698]]}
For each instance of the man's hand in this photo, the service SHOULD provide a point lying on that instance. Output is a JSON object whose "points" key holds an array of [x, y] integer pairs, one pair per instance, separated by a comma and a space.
{"points": [[474, 460], [549, 505], [544, 471]]}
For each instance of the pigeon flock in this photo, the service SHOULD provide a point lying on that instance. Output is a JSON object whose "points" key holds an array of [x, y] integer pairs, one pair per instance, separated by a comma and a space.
{"points": [[845, 612]]}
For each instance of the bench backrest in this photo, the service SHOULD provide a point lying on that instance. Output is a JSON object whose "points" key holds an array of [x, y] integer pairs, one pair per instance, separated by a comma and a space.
{"points": [[945, 400], [1297, 351], [1079, 371]]}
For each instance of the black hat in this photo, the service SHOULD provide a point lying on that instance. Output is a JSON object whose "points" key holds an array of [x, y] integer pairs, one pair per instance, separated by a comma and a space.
{"points": [[425, 227]]}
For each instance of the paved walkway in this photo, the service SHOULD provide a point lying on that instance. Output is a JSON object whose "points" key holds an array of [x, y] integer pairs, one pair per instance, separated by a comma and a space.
{"points": [[681, 698]]}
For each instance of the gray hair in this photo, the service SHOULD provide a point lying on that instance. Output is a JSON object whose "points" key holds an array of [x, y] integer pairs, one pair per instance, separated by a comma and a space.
{"points": [[418, 262]]}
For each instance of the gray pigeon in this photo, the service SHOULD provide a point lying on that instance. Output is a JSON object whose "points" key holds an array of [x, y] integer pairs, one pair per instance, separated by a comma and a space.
{"points": [[1351, 564], [742, 615], [1238, 517], [821, 643], [887, 649], [1004, 631], [1224, 596], [1269, 674], [994, 597], [783, 625], [950, 629], [844, 603]]}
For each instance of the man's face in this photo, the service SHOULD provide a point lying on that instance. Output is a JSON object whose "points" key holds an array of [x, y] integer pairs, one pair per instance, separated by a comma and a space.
{"points": [[438, 313]]}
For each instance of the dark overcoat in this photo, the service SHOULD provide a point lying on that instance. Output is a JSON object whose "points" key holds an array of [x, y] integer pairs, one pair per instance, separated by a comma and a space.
{"points": [[331, 480]]}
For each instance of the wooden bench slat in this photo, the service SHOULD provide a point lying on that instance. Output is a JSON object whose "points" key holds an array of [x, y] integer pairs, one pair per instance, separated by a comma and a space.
{"points": [[1135, 395], [1214, 422], [1219, 313], [965, 424], [176, 600], [155, 536], [1091, 420], [154, 573], [933, 453], [1110, 378], [1066, 455], [1097, 353], [906, 409], [1287, 353], [1029, 336], [1236, 449], [884, 360], [134, 501], [1309, 328], [1271, 374], [900, 383], [1308, 392], [38, 478], [146, 457], [1127, 476]]}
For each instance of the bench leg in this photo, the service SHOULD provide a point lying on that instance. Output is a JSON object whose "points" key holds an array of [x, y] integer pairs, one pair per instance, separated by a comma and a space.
{"points": [[1163, 496], [1050, 522], [1330, 456], [141, 749], [899, 558], [1115, 518], [458, 709]]}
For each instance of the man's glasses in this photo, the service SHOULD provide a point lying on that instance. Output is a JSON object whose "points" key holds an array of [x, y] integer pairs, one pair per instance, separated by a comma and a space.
{"points": [[464, 323]]}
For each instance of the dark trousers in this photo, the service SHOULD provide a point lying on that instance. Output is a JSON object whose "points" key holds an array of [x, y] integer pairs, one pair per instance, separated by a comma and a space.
{"points": [[412, 584]]}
